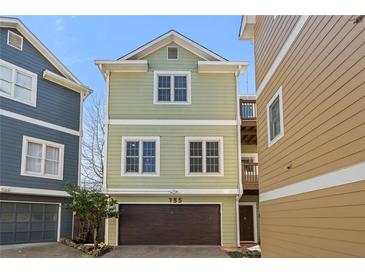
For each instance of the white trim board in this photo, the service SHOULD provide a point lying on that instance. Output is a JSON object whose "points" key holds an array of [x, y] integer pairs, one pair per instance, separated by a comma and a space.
{"points": [[37, 122], [169, 191], [172, 122], [339, 177], [168, 203], [284, 50], [254, 212], [32, 191]]}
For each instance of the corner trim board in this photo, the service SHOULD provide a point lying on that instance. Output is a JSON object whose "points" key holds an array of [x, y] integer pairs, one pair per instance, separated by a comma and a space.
{"points": [[283, 51]]}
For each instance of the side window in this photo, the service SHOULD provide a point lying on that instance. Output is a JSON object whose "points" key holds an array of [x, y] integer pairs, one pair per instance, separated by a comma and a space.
{"points": [[275, 119]]}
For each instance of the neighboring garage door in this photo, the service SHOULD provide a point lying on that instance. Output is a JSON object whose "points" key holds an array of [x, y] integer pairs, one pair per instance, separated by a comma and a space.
{"points": [[169, 225], [28, 222]]}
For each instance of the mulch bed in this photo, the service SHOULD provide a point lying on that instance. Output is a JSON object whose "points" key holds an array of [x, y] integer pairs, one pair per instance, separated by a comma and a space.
{"points": [[87, 248]]}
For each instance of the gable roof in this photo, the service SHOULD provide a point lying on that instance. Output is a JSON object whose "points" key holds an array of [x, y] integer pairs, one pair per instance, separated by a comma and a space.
{"points": [[178, 38], [70, 81], [7, 22]]}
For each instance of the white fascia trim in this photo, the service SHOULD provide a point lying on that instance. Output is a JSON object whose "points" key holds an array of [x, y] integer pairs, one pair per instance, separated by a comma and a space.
{"points": [[284, 50], [32, 191], [178, 39], [122, 65], [222, 67], [38, 122], [339, 177], [247, 27], [278, 93], [172, 122], [62, 81], [17, 24], [170, 191]]}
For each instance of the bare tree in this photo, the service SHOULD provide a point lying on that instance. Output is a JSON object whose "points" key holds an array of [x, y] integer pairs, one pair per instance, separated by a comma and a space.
{"points": [[92, 162]]}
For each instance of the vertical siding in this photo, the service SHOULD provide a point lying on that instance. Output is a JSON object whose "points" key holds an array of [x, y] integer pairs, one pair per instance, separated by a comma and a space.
{"points": [[229, 228], [172, 157], [213, 96], [55, 104], [323, 81]]}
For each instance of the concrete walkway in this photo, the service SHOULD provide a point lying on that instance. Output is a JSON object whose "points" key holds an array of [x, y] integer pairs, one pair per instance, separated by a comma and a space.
{"points": [[57, 250]]}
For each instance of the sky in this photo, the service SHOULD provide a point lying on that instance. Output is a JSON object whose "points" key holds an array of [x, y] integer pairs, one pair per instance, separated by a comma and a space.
{"points": [[77, 41]]}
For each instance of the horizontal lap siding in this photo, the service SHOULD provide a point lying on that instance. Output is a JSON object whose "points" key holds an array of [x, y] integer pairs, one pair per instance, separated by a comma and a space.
{"points": [[213, 96], [229, 226], [269, 42], [323, 81], [55, 104], [324, 223], [172, 157], [11, 136]]}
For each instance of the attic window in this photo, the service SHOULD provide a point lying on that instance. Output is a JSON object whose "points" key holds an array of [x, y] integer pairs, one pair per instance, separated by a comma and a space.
{"points": [[172, 53], [15, 40]]}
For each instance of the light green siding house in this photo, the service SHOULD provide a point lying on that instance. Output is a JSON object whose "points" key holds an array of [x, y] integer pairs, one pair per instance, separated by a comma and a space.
{"points": [[172, 144]]}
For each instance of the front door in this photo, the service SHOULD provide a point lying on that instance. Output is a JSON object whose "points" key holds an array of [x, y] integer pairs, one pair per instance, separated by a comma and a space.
{"points": [[246, 223]]}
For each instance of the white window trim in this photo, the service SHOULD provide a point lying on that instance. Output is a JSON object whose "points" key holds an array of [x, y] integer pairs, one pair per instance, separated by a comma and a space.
{"points": [[172, 73], [140, 139], [281, 134], [8, 40], [204, 140], [255, 156], [167, 53], [44, 143], [14, 68]]}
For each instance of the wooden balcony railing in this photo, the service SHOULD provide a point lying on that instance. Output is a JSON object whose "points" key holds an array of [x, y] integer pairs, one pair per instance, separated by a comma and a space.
{"points": [[250, 176], [248, 109]]}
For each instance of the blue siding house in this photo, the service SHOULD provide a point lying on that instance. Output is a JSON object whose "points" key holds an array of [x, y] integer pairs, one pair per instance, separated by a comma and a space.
{"points": [[40, 137]]}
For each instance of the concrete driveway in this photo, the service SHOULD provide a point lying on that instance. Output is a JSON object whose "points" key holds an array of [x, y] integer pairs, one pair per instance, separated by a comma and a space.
{"points": [[57, 250]]}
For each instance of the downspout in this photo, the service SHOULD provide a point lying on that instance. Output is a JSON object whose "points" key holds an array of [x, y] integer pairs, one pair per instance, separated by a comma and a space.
{"points": [[106, 124], [238, 120]]}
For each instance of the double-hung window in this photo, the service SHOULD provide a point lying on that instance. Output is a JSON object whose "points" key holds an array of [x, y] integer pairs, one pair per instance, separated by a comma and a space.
{"points": [[172, 87], [140, 156], [204, 156], [17, 83], [42, 158], [275, 119]]}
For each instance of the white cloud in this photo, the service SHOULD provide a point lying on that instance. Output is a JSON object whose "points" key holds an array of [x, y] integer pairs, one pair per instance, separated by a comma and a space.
{"points": [[60, 25]]}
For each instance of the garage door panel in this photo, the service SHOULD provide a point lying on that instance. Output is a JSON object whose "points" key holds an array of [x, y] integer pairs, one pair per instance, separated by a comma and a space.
{"points": [[23, 222], [169, 224]]}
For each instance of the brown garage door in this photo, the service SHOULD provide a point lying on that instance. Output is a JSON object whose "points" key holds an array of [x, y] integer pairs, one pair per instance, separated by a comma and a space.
{"points": [[169, 225]]}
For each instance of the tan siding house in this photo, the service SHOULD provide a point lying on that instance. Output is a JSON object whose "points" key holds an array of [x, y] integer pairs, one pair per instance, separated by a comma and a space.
{"points": [[310, 78]]}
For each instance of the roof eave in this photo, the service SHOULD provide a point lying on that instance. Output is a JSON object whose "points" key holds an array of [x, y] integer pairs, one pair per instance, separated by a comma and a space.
{"points": [[247, 27]]}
